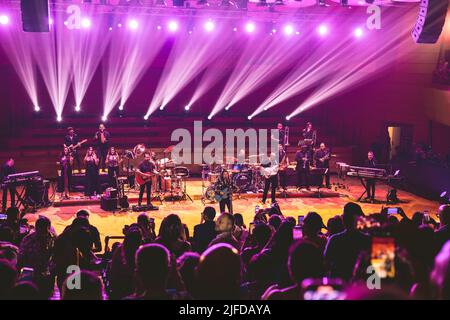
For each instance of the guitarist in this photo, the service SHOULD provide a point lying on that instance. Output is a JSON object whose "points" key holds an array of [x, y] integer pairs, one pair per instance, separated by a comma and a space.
{"points": [[270, 172], [322, 159], [224, 192], [146, 170], [71, 141]]}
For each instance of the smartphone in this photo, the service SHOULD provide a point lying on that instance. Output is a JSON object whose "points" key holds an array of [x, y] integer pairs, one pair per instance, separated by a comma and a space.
{"points": [[323, 289], [256, 209], [251, 226], [382, 257], [26, 274], [297, 233], [300, 220], [392, 210], [426, 217], [3, 217]]}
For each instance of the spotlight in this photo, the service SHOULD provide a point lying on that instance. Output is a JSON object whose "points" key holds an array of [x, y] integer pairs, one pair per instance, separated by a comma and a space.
{"points": [[227, 107], [146, 117], [210, 117], [158, 27], [234, 29], [209, 26], [288, 29], [173, 26], [77, 108], [59, 118], [119, 25], [86, 23], [110, 28], [249, 117], [4, 20], [104, 117], [358, 33], [121, 107], [322, 30], [274, 30], [37, 108], [250, 27], [187, 107], [133, 24], [288, 118], [161, 108], [50, 21]]}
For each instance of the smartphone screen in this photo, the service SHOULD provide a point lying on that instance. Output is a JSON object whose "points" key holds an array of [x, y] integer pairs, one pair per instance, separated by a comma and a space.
{"points": [[256, 209], [323, 292], [392, 210], [297, 233], [383, 257], [300, 220]]}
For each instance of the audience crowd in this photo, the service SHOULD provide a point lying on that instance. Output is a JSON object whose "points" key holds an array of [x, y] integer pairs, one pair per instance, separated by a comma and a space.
{"points": [[274, 257]]}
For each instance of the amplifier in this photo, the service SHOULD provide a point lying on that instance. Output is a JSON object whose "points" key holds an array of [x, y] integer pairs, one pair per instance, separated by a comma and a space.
{"points": [[111, 193], [108, 204]]}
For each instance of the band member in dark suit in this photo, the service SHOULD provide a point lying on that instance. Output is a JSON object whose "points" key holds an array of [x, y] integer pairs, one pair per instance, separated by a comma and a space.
{"points": [[370, 183], [270, 172], [91, 162], [281, 135], [7, 169], [322, 158], [113, 162], [303, 158], [224, 188], [309, 135], [102, 137], [66, 165], [284, 162], [147, 166], [71, 139]]}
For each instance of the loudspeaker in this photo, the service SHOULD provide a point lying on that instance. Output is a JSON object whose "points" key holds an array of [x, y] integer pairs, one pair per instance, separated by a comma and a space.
{"points": [[108, 204], [35, 15], [431, 20]]}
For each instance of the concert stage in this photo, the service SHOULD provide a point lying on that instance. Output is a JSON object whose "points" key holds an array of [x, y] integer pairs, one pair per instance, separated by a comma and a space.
{"points": [[298, 203]]}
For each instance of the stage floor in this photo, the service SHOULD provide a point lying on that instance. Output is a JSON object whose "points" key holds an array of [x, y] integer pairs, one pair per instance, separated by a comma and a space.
{"points": [[111, 224]]}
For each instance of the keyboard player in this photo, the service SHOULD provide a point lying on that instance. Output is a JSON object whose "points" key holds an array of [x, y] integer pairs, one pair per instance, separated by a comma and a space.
{"points": [[370, 183], [7, 169]]}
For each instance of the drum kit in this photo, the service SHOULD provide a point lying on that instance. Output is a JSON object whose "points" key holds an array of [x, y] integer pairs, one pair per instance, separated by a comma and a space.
{"points": [[245, 177], [168, 184]]}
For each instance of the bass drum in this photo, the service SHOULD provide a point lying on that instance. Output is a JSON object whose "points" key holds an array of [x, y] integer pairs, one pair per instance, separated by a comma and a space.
{"points": [[243, 181], [210, 194]]}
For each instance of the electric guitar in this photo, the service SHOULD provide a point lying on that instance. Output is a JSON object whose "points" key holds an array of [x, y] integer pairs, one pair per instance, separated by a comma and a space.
{"points": [[142, 178], [222, 194], [74, 147], [269, 171]]}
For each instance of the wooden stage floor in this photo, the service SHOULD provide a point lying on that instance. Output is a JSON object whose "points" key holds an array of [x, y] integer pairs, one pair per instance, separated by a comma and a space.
{"points": [[111, 224]]}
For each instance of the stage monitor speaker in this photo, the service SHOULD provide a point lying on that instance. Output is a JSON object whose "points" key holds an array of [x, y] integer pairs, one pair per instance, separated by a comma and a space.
{"points": [[35, 15], [108, 204], [431, 20]]}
